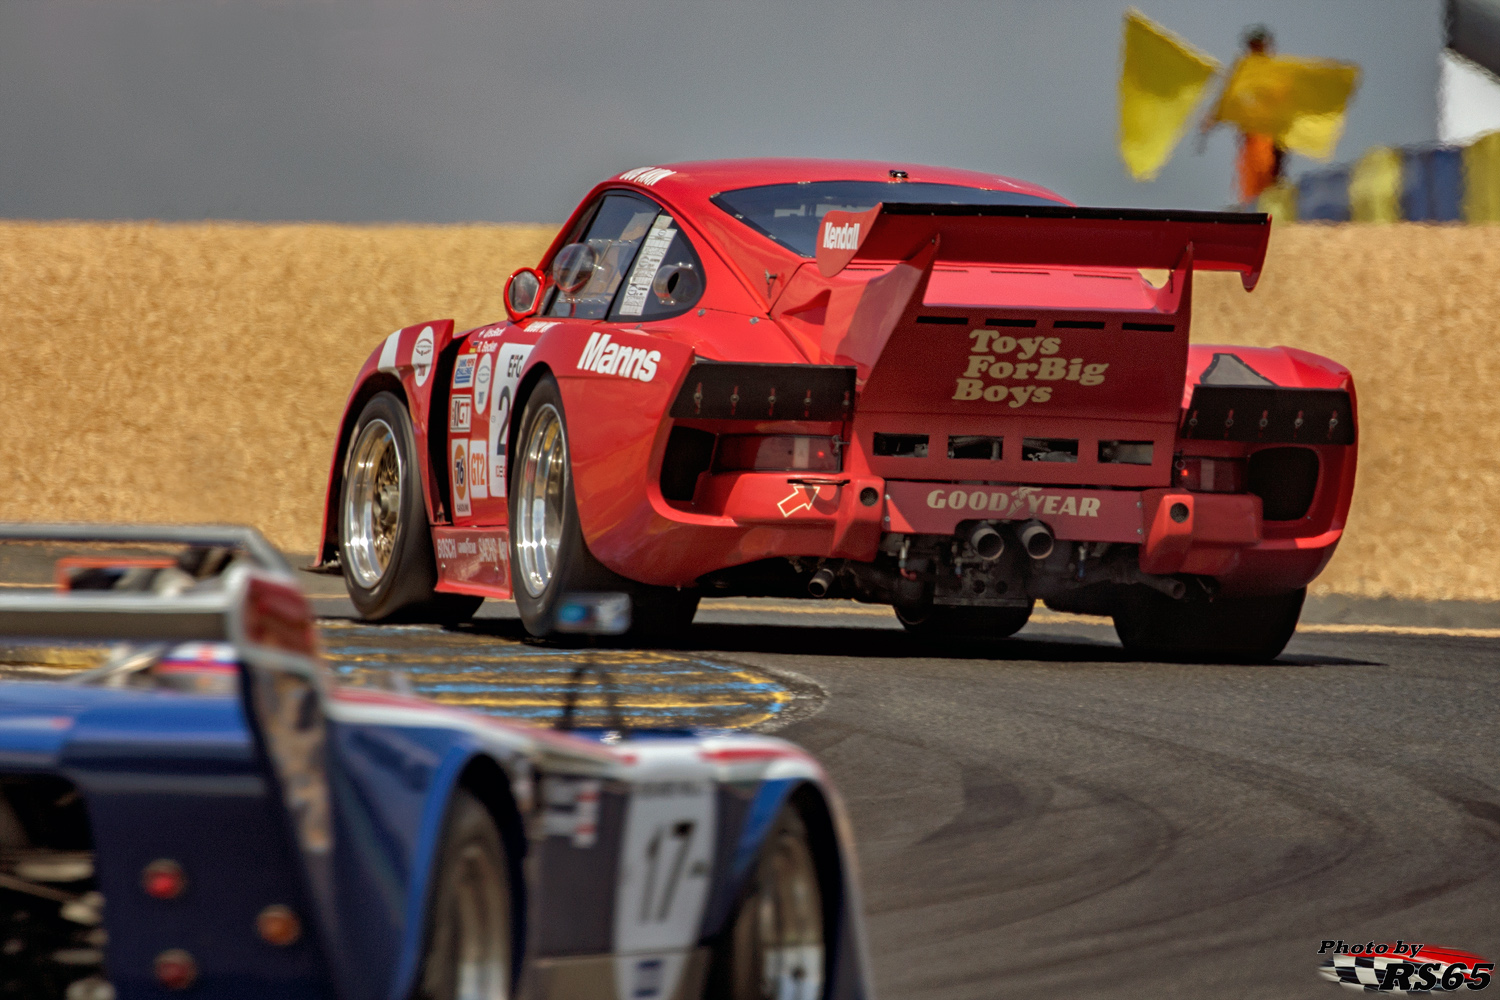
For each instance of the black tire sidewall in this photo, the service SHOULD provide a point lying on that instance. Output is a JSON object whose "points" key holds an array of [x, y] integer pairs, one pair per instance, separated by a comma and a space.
{"points": [[1229, 630], [410, 576], [467, 821]]}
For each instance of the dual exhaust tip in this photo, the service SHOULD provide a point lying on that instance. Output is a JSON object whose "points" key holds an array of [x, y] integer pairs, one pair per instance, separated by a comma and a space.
{"points": [[987, 542]]}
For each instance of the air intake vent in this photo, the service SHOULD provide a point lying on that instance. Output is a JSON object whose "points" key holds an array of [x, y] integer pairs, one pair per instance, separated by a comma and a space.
{"points": [[901, 445], [944, 320], [1286, 480], [1078, 324], [1010, 322], [1150, 327]]}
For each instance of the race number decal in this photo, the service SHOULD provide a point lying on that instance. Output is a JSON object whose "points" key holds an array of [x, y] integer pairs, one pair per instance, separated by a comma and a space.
{"points": [[509, 362], [665, 862]]}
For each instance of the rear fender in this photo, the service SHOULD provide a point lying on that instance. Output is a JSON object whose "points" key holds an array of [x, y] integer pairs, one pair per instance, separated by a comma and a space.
{"points": [[407, 364], [614, 424]]}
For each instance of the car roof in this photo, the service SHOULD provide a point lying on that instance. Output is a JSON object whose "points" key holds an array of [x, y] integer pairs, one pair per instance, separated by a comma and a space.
{"points": [[702, 179]]}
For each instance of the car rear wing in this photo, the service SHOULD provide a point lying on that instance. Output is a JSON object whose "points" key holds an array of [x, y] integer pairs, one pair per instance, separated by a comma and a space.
{"points": [[233, 609], [1047, 235]]}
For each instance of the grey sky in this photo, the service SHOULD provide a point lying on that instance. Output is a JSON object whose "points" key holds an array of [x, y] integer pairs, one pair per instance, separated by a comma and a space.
{"points": [[451, 110]]}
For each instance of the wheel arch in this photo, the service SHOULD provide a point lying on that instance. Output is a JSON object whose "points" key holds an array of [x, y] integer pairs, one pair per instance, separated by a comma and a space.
{"points": [[524, 389], [487, 781], [841, 933], [365, 391]]}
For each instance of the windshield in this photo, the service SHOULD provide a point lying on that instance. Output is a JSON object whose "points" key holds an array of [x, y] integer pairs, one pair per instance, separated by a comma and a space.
{"points": [[790, 213]]}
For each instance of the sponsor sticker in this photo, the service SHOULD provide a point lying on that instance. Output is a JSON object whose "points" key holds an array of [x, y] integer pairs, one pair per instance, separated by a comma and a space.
{"points": [[473, 555], [602, 355], [482, 382], [647, 176], [1004, 369], [845, 237], [421, 355], [540, 325], [1022, 501], [479, 469], [460, 412], [647, 262], [463, 372], [460, 470], [1402, 967], [509, 364]]}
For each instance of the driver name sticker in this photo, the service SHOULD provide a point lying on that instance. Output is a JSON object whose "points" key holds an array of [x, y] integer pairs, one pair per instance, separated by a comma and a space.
{"points": [[646, 266]]}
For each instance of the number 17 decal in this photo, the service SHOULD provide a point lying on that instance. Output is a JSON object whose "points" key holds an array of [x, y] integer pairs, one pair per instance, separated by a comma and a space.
{"points": [[681, 834], [664, 865]]}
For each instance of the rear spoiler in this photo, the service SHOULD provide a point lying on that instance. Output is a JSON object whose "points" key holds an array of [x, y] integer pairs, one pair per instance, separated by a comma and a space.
{"points": [[1048, 235]]}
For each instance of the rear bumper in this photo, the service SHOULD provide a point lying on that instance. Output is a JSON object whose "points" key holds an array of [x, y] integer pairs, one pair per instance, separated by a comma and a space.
{"points": [[749, 516]]}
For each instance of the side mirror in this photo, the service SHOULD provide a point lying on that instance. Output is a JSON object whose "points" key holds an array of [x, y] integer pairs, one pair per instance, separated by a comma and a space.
{"points": [[677, 284], [573, 267], [523, 293]]}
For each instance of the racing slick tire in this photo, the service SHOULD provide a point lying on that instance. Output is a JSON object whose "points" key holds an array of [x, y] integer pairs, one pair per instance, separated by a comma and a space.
{"points": [[385, 544], [774, 948], [1228, 630], [942, 621], [468, 950], [548, 555]]}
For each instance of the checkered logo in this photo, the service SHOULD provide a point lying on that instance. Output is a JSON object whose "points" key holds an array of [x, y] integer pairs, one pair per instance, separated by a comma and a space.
{"points": [[1419, 968]]}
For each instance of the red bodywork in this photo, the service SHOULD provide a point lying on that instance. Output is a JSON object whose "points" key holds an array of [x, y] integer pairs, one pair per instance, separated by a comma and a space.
{"points": [[1013, 324]]}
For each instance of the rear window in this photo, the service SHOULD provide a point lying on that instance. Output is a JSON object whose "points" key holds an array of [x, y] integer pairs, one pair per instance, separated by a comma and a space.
{"points": [[790, 213]]}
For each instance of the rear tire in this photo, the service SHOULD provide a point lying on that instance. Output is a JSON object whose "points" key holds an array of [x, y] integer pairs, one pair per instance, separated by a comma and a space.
{"points": [[942, 621], [1152, 626], [469, 919], [774, 949], [548, 555], [385, 542]]}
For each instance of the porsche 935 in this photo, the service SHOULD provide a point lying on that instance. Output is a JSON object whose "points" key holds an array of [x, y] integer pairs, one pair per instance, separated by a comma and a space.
{"points": [[206, 813], [942, 390]]}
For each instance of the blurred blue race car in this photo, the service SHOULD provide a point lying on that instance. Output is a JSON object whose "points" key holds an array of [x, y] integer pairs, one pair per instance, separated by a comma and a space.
{"points": [[207, 814]]}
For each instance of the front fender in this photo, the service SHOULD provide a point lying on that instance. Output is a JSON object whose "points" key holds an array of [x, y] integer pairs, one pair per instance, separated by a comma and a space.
{"points": [[407, 359]]}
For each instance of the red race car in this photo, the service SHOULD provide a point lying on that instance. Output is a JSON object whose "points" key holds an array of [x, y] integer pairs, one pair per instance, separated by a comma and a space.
{"points": [[945, 391]]}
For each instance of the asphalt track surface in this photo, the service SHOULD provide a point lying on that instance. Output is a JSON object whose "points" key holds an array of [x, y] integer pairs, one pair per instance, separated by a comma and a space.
{"points": [[1041, 816]]}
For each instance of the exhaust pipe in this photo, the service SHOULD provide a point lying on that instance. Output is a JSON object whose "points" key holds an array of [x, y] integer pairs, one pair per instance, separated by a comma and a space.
{"points": [[821, 582], [1172, 587], [1036, 539], [986, 541]]}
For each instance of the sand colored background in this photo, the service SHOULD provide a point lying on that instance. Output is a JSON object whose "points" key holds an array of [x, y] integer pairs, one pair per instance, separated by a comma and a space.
{"points": [[197, 373]]}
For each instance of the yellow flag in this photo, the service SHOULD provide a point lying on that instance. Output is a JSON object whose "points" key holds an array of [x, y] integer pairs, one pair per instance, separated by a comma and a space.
{"points": [[1299, 101], [1482, 179], [1375, 186], [1162, 79]]}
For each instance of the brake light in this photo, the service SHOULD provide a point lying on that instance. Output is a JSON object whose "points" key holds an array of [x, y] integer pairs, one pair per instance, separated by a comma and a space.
{"points": [[777, 453], [1211, 475]]}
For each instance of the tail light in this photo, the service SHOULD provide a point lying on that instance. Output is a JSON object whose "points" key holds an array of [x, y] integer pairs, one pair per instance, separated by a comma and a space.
{"points": [[1211, 475], [778, 453]]}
